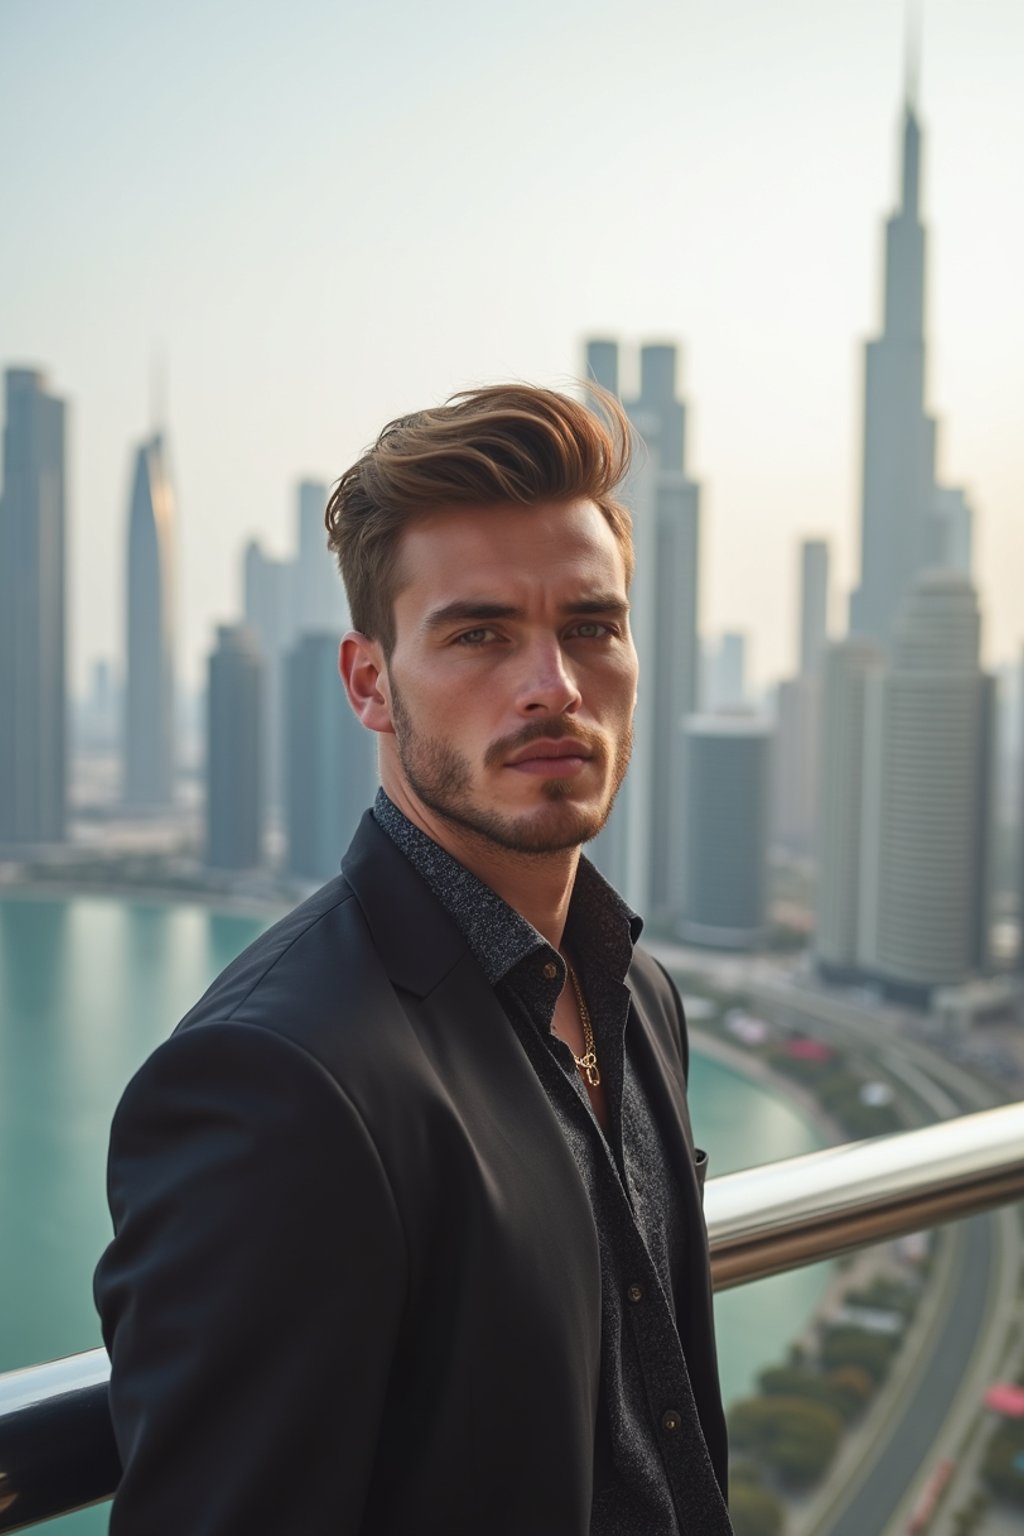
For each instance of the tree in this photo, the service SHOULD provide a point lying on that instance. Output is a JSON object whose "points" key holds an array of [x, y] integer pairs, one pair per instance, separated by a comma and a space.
{"points": [[847, 1345], [854, 1389], [755, 1511], [796, 1438], [1000, 1466], [846, 1391]]}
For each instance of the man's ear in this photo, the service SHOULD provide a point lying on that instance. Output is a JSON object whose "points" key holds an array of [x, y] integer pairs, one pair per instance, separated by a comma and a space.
{"points": [[361, 664]]}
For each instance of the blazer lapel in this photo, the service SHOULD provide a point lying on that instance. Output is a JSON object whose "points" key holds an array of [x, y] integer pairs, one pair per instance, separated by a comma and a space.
{"points": [[475, 1051], [415, 938]]}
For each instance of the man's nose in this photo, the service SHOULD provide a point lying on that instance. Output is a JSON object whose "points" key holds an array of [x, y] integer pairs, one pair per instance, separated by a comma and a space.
{"points": [[548, 684]]}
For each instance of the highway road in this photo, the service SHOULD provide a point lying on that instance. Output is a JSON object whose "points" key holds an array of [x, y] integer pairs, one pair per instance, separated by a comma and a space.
{"points": [[893, 1459], [886, 1479]]}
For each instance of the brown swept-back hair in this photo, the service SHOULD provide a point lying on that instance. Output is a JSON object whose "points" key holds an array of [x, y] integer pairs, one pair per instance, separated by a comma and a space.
{"points": [[509, 442]]}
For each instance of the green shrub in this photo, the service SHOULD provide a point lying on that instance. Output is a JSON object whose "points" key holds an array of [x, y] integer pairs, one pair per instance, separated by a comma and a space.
{"points": [[849, 1345], [998, 1469], [887, 1294], [796, 1438], [854, 1389], [754, 1511], [816, 1387]]}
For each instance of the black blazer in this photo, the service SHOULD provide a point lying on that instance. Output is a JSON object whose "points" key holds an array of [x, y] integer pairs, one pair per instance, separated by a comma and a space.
{"points": [[354, 1285]]}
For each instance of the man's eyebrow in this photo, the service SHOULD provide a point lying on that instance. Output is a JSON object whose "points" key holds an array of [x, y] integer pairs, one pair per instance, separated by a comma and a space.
{"points": [[472, 610], [464, 609], [478, 611], [601, 602]]}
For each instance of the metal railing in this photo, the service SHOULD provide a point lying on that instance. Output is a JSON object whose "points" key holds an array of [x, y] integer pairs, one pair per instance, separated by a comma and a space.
{"points": [[57, 1449]]}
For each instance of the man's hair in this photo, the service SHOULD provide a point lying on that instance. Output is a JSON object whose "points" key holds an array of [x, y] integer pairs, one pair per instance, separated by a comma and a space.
{"points": [[506, 443]]}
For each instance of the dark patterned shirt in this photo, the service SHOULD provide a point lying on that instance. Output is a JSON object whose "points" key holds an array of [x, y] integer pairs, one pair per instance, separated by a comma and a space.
{"points": [[653, 1475]]}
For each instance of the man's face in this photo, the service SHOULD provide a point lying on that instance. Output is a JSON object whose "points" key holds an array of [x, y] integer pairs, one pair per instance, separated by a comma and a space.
{"points": [[513, 677]]}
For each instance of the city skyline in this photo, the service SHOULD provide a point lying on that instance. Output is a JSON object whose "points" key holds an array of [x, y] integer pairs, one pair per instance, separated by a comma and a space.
{"points": [[744, 176]]}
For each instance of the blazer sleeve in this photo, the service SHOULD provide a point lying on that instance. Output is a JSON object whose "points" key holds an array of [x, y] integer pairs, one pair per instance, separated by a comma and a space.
{"points": [[252, 1295]]}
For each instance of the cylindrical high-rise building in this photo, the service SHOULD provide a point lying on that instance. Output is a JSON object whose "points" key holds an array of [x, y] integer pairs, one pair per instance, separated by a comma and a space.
{"points": [[924, 875], [149, 733], [728, 792], [235, 744]]}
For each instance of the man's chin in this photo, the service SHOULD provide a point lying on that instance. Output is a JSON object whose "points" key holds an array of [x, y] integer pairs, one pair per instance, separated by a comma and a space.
{"points": [[553, 827]]}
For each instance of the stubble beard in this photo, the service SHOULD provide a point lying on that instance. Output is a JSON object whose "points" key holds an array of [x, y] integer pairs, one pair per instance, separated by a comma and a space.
{"points": [[442, 779]]}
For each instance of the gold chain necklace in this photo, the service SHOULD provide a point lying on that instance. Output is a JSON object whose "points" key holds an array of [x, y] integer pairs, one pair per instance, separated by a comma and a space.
{"points": [[587, 1063]]}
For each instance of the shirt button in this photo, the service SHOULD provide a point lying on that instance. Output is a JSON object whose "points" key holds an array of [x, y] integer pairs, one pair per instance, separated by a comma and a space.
{"points": [[635, 1292], [670, 1421], [551, 970]]}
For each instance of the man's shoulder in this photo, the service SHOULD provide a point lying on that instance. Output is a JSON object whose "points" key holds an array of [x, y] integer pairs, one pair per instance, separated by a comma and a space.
{"points": [[659, 1004], [290, 964], [334, 974]]}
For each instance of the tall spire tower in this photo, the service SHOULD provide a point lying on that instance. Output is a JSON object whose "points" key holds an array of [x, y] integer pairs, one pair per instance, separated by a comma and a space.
{"points": [[149, 696], [898, 488]]}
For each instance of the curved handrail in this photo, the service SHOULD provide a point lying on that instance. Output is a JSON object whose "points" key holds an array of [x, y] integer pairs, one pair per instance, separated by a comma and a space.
{"points": [[57, 1449]]}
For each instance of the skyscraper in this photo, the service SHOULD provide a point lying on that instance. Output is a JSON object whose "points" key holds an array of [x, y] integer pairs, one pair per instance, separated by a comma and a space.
{"points": [[725, 674], [318, 597], [927, 797], [813, 605], [33, 748], [848, 666], [331, 773], [795, 773], [641, 849], [676, 658], [906, 526], [952, 530], [728, 824], [284, 600], [267, 587], [235, 776], [622, 850], [798, 702], [149, 726]]}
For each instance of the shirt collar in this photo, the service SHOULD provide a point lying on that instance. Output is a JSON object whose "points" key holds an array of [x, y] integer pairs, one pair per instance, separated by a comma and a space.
{"points": [[500, 937]]}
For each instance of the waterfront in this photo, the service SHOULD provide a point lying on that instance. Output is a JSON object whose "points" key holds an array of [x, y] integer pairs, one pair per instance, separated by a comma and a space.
{"points": [[88, 985]]}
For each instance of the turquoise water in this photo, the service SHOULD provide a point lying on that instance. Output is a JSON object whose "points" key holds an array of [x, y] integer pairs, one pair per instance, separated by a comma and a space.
{"points": [[88, 986]]}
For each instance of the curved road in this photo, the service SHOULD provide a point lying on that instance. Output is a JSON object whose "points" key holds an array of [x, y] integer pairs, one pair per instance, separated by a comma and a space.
{"points": [[886, 1480], [893, 1460]]}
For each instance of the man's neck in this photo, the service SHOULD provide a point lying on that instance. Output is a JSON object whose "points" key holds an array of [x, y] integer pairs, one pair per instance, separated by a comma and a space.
{"points": [[537, 886]]}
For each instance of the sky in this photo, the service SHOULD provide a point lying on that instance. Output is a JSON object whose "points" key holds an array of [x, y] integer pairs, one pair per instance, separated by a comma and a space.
{"points": [[312, 217]]}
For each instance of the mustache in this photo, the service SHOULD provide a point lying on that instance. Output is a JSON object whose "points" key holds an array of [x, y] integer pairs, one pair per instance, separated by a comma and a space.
{"points": [[592, 742]]}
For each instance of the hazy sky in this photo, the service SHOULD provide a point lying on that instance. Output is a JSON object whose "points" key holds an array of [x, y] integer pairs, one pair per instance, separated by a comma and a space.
{"points": [[324, 214]]}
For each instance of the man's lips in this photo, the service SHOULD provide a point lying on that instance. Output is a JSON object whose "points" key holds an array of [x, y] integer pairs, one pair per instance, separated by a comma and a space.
{"points": [[555, 759]]}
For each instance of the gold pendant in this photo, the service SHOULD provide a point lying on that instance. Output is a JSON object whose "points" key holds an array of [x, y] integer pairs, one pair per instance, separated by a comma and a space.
{"points": [[588, 1066]]}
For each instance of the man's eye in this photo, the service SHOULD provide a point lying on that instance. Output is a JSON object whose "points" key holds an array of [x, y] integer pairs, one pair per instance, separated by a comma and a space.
{"points": [[471, 637], [591, 629]]}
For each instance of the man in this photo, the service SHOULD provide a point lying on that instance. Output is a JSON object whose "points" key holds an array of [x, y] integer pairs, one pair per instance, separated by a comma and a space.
{"points": [[407, 1211]]}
